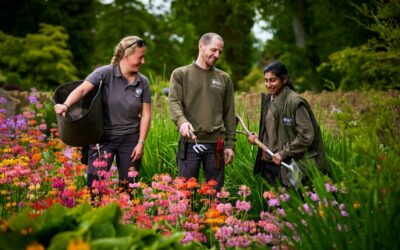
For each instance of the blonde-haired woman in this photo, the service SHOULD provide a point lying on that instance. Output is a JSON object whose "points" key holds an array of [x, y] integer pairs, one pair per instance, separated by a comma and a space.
{"points": [[126, 102]]}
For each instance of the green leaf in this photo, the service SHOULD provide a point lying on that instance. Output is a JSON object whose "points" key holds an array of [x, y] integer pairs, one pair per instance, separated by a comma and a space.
{"points": [[102, 230], [124, 230], [110, 213], [119, 243]]}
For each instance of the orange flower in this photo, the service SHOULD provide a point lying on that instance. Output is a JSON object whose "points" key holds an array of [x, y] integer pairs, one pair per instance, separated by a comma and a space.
{"points": [[35, 246], [78, 245], [192, 183], [212, 213], [212, 183]]}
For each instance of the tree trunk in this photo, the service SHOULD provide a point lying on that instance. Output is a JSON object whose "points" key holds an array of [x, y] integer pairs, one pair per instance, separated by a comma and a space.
{"points": [[298, 21]]}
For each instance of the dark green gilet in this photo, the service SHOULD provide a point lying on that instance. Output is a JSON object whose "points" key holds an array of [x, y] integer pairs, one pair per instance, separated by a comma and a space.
{"points": [[286, 107]]}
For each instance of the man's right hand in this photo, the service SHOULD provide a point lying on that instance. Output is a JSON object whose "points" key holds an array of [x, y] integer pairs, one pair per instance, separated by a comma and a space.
{"points": [[184, 130]]}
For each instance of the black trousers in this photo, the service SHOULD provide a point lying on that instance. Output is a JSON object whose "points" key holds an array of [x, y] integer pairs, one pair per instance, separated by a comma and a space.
{"points": [[190, 162], [119, 147], [271, 173]]}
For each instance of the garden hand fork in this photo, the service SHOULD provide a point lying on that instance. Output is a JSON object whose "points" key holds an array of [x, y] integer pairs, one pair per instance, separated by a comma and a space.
{"points": [[198, 148], [294, 175]]}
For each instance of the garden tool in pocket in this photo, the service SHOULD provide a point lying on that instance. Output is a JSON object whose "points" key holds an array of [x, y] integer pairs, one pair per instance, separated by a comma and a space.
{"points": [[219, 153], [294, 175], [198, 148], [182, 148]]}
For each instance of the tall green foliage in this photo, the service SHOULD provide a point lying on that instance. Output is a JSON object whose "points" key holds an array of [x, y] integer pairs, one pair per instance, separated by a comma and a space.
{"points": [[41, 59]]}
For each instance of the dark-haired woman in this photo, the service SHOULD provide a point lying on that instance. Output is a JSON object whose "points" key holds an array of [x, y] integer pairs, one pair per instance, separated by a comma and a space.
{"points": [[287, 127], [126, 102]]}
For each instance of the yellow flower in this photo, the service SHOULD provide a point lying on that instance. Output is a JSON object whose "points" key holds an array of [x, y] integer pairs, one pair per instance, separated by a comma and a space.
{"points": [[321, 212], [356, 205], [7, 150]]}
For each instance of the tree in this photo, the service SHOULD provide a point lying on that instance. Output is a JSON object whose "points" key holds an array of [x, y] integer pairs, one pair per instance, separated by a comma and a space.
{"points": [[373, 64], [306, 32], [42, 60], [21, 17]]}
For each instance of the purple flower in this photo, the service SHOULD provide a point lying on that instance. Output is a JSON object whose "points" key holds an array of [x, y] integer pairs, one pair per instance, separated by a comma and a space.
{"points": [[281, 212], [273, 202], [3, 100], [284, 197], [314, 197], [307, 208], [32, 99], [263, 239], [330, 188], [344, 213]]}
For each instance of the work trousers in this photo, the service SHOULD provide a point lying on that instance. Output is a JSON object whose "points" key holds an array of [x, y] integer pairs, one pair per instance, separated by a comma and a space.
{"points": [[190, 162], [119, 147]]}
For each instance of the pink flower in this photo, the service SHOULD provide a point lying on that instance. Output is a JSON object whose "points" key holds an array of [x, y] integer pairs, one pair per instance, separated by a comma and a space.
{"points": [[134, 185], [223, 194], [133, 173], [43, 126], [243, 205], [244, 191], [224, 208], [269, 195], [99, 163]]}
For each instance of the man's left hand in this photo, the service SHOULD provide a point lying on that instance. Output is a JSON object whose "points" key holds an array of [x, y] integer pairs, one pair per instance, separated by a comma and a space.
{"points": [[228, 155]]}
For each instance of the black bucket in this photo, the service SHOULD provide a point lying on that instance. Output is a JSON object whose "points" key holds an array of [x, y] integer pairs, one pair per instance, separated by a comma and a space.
{"points": [[83, 123]]}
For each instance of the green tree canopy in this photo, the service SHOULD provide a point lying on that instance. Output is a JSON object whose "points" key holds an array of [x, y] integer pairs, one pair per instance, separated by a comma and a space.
{"points": [[42, 60], [21, 17]]}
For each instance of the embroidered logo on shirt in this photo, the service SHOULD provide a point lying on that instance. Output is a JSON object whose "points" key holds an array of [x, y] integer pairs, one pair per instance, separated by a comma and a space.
{"points": [[138, 92], [216, 84], [287, 121]]}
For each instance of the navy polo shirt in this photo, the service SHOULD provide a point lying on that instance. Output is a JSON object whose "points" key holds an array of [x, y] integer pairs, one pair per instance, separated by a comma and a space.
{"points": [[121, 101]]}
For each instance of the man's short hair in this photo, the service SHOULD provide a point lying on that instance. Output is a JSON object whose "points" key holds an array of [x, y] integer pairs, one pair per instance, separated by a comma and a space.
{"points": [[207, 37]]}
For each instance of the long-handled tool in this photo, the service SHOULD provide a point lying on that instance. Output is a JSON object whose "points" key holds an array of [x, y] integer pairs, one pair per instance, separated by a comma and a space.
{"points": [[198, 148], [294, 175]]}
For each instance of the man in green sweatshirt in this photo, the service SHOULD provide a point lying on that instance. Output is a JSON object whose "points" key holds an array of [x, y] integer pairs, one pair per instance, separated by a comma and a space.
{"points": [[201, 102]]}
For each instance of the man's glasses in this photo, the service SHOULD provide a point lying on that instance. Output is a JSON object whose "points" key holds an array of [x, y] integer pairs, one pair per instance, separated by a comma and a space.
{"points": [[141, 43]]}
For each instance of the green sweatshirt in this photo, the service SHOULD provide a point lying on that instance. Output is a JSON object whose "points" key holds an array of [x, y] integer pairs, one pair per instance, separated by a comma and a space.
{"points": [[205, 98]]}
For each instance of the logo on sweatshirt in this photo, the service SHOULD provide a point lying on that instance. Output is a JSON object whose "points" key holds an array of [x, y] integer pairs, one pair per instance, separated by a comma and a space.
{"points": [[287, 121], [216, 84]]}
